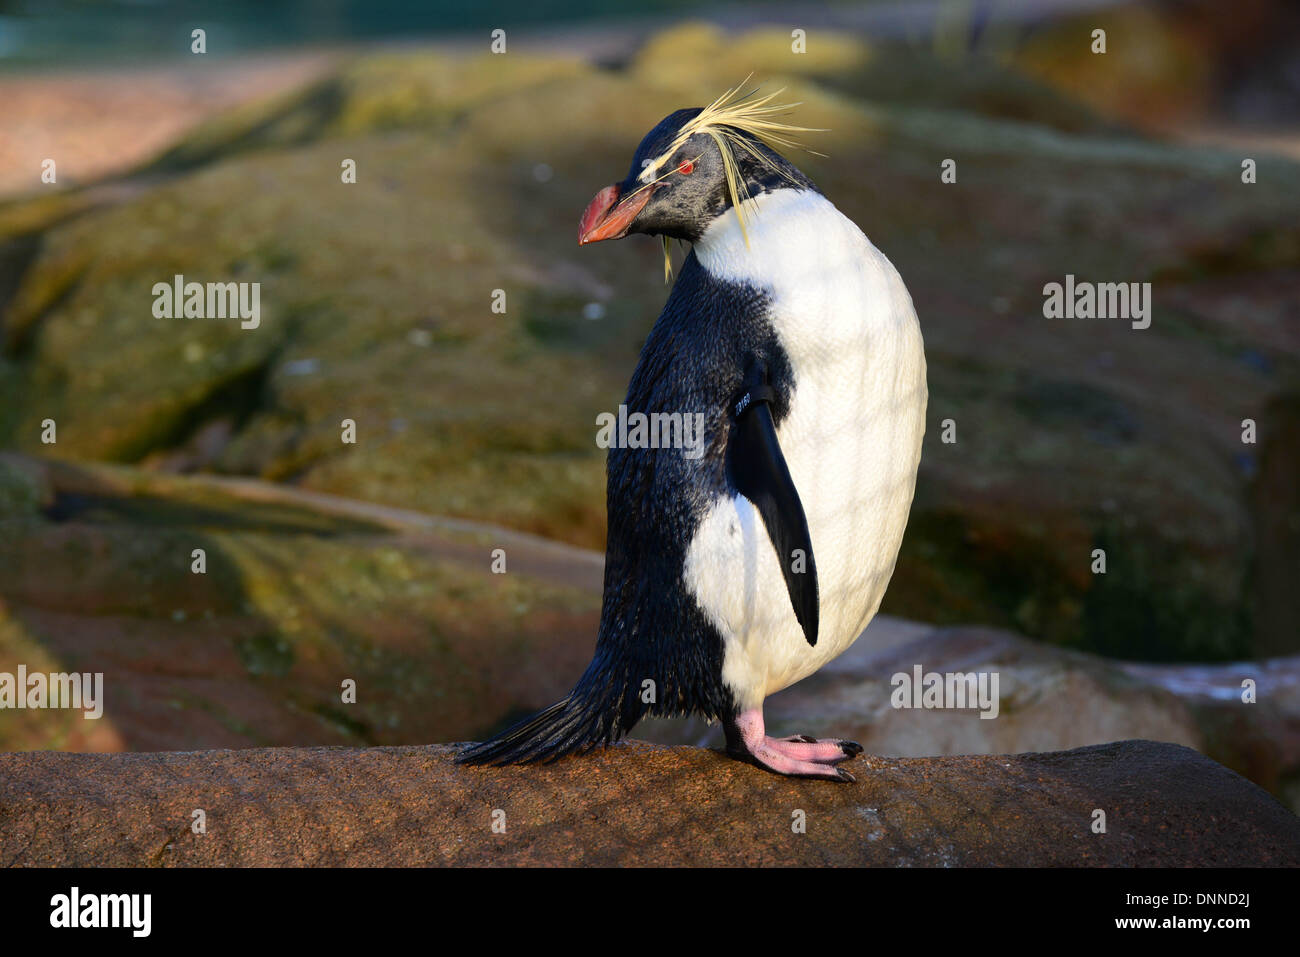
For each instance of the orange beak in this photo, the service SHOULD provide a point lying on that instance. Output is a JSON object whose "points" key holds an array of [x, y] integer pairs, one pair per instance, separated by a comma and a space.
{"points": [[607, 218]]}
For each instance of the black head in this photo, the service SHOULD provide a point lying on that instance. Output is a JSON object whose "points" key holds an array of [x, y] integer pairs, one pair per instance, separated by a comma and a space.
{"points": [[677, 184]]}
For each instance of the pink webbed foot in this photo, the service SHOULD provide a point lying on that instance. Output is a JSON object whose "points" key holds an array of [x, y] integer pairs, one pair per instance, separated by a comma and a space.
{"points": [[798, 755]]}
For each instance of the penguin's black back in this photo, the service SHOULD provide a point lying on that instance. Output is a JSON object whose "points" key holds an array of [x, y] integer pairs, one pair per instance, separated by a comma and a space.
{"points": [[651, 627]]}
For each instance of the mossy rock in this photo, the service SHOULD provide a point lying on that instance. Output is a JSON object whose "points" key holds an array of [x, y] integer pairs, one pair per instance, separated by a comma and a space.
{"points": [[23, 491], [376, 307], [1158, 68], [372, 94]]}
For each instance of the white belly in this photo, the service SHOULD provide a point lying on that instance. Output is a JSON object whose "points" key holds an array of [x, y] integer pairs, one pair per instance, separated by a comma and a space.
{"points": [[852, 441]]}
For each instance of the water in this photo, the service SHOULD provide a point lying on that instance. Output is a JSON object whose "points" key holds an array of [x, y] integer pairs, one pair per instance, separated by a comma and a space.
{"points": [[70, 33]]}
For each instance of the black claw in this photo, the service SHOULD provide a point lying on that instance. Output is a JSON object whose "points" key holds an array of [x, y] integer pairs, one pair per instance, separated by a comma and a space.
{"points": [[845, 776], [851, 748], [804, 738]]}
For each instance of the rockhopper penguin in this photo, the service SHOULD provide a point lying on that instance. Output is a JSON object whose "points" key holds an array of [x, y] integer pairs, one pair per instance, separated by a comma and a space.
{"points": [[734, 574]]}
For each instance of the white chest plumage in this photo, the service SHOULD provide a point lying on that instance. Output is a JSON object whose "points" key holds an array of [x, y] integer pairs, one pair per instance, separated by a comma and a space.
{"points": [[852, 439]]}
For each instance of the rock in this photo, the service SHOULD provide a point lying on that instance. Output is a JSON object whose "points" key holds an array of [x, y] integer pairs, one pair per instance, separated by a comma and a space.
{"points": [[23, 490], [103, 121], [428, 90], [375, 300], [300, 592], [1169, 66], [1260, 739], [635, 804], [305, 589], [879, 73], [1049, 699]]}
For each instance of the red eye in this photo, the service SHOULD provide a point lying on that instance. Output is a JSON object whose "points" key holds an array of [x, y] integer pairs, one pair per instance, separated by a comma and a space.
{"points": [[687, 168]]}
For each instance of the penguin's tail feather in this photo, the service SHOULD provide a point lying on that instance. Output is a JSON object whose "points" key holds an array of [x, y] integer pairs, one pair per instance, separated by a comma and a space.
{"points": [[569, 726]]}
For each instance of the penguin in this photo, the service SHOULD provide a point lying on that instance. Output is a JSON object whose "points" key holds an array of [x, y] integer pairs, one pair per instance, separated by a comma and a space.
{"points": [[737, 571]]}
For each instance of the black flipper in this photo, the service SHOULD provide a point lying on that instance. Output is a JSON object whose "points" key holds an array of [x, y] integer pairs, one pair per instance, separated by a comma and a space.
{"points": [[757, 468]]}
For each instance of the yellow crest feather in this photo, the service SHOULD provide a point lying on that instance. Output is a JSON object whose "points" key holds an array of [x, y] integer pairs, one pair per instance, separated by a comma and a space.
{"points": [[724, 120]]}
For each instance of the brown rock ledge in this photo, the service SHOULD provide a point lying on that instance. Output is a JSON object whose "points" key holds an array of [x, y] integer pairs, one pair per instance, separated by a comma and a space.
{"points": [[636, 804]]}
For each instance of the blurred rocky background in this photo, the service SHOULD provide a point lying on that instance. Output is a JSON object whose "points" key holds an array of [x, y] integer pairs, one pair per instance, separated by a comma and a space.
{"points": [[476, 430]]}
